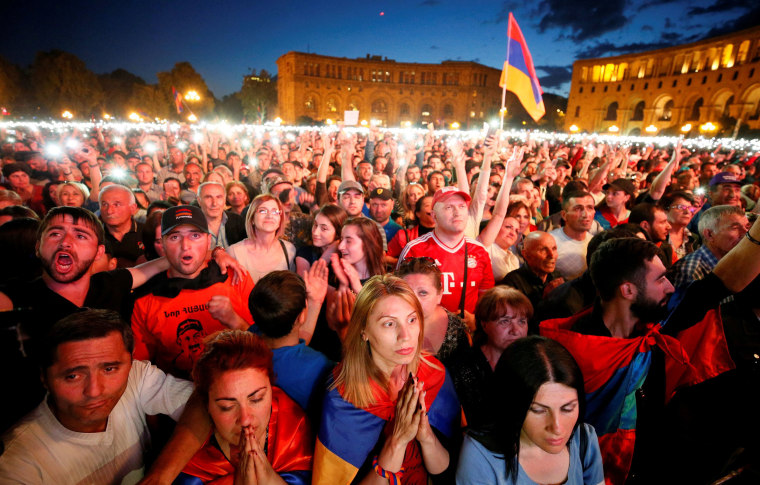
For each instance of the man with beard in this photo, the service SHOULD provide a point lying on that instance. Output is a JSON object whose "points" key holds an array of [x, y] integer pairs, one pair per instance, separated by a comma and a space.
{"points": [[69, 240], [573, 238], [635, 357]]}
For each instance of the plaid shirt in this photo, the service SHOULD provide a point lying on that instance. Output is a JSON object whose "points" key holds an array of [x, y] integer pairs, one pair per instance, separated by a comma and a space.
{"points": [[694, 266]]}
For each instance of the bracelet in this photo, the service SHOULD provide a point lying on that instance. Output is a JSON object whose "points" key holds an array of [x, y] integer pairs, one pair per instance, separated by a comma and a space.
{"points": [[213, 251], [751, 239], [393, 478]]}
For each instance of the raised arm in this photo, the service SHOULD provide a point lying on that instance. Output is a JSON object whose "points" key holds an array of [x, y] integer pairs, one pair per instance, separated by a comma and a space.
{"points": [[491, 231], [662, 180]]}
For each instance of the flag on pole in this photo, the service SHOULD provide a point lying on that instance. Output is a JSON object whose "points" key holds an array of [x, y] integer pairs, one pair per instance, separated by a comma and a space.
{"points": [[519, 75], [177, 100]]}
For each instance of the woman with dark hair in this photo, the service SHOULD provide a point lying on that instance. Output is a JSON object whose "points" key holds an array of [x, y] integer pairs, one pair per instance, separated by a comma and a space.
{"points": [[259, 434], [501, 317], [389, 404], [423, 216], [619, 197], [537, 436], [445, 332], [361, 253], [50, 194], [17, 176], [325, 237], [237, 196], [151, 236]]}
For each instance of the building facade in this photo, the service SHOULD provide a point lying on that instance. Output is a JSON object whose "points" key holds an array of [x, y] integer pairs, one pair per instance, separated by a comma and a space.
{"points": [[715, 80], [390, 92]]}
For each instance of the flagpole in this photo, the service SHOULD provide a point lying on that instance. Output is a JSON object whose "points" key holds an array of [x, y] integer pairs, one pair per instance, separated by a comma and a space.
{"points": [[503, 110]]}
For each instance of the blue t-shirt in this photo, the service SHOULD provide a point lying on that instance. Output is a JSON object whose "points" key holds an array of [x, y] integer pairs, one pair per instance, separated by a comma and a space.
{"points": [[301, 372], [478, 465]]}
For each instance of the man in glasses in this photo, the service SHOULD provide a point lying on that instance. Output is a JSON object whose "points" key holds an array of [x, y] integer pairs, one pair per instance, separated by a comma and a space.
{"points": [[680, 208]]}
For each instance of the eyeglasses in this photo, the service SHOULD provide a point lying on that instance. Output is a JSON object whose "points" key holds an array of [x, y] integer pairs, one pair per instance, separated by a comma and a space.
{"points": [[682, 207], [266, 212]]}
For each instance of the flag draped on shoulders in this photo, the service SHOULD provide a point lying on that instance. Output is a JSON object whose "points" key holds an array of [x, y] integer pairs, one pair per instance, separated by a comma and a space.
{"points": [[615, 368], [519, 75], [348, 434], [289, 449]]}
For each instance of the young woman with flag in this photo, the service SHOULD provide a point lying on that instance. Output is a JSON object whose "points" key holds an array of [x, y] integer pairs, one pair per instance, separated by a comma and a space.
{"points": [[389, 405]]}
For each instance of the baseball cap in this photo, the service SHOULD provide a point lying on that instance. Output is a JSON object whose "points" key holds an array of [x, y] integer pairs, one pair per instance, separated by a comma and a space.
{"points": [[183, 214], [347, 185], [133, 155], [444, 193], [622, 184], [276, 181], [725, 178], [380, 193]]}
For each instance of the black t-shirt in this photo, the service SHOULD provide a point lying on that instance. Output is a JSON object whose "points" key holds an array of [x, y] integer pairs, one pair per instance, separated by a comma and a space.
{"points": [[36, 309], [130, 248]]}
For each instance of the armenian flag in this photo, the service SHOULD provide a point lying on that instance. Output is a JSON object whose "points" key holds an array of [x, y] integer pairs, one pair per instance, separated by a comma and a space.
{"points": [[348, 434], [177, 100], [519, 75], [615, 368]]}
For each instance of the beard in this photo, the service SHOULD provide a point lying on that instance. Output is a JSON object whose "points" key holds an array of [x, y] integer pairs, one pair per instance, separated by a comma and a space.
{"points": [[648, 310], [79, 269]]}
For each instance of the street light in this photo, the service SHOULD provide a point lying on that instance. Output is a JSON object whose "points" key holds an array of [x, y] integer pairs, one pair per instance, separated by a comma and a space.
{"points": [[329, 122], [651, 129], [134, 116], [686, 128], [192, 118], [574, 128], [106, 116], [613, 129], [67, 114], [192, 96], [455, 126], [708, 127]]}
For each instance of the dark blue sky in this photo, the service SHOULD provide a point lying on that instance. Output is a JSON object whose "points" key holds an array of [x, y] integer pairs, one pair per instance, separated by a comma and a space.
{"points": [[223, 39]]}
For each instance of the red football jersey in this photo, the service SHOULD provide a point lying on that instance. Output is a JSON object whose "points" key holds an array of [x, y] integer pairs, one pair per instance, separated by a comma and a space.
{"points": [[451, 262]]}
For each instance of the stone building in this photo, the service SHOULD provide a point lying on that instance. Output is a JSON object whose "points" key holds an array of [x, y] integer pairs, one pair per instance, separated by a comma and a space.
{"points": [[393, 93], [678, 89]]}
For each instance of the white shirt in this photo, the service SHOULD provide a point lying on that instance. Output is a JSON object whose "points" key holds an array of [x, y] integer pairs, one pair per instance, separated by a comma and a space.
{"points": [[572, 254], [39, 449]]}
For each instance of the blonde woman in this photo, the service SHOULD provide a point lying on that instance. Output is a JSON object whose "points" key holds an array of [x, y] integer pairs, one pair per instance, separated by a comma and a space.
{"points": [[263, 251], [386, 396]]}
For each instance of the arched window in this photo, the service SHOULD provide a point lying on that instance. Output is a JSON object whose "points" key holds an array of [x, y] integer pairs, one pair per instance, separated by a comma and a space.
{"points": [[694, 115], [426, 111], [667, 111], [612, 111], [726, 106], [332, 105], [638, 112], [404, 109], [448, 111], [379, 106], [310, 104]]}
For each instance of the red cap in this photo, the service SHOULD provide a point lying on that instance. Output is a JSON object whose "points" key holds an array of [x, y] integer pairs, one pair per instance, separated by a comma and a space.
{"points": [[444, 193]]}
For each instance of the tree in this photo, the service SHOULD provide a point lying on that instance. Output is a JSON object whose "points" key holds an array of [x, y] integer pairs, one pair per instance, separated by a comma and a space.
{"points": [[184, 78], [61, 81], [258, 96], [11, 85], [149, 100], [230, 108], [119, 89]]}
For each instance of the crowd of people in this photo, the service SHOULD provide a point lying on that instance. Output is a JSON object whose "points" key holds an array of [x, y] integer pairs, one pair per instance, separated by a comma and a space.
{"points": [[366, 306]]}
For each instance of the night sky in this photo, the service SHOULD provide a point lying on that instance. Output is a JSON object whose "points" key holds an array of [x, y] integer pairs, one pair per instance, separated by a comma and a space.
{"points": [[224, 39]]}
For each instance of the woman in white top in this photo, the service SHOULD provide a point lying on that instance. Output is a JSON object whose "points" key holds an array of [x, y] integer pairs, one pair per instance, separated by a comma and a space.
{"points": [[263, 251]]}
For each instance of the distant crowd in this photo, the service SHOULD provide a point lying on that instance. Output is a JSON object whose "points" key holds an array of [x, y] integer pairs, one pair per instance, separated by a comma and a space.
{"points": [[365, 306]]}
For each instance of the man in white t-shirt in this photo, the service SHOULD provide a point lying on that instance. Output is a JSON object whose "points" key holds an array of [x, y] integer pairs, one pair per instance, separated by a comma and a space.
{"points": [[573, 238], [91, 427]]}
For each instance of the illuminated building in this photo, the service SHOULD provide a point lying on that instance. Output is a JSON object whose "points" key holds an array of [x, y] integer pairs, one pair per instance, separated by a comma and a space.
{"points": [[323, 87], [715, 80]]}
